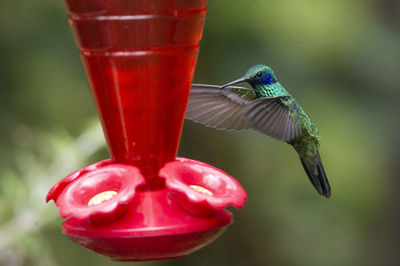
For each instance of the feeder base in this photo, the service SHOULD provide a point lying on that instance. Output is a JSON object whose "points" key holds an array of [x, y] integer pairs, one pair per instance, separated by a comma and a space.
{"points": [[154, 228]]}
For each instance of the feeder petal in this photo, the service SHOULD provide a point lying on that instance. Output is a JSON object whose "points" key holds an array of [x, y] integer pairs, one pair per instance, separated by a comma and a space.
{"points": [[201, 188], [120, 180]]}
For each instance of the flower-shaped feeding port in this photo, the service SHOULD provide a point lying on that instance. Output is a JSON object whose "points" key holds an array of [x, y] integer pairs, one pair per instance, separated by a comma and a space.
{"points": [[56, 190], [201, 189], [97, 194]]}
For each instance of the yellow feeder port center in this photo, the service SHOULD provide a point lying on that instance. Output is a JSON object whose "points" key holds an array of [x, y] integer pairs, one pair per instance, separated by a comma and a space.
{"points": [[201, 189], [102, 197]]}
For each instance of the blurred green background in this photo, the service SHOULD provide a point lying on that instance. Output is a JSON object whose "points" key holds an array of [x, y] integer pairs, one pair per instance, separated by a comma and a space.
{"points": [[340, 59]]}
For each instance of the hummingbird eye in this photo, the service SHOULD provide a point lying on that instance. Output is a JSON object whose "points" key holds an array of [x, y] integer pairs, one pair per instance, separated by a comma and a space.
{"points": [[260, 74]]}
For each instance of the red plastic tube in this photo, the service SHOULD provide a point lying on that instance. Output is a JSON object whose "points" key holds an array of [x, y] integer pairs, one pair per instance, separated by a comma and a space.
{"points": [[139, 58]]}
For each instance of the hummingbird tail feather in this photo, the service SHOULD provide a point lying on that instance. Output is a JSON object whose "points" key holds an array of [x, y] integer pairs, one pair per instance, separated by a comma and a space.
{"points": [[318, 177]]}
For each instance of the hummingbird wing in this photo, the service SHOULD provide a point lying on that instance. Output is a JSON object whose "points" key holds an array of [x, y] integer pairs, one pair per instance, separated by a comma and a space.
{"points": [[219, 108], [235, 108], [277, 117]]}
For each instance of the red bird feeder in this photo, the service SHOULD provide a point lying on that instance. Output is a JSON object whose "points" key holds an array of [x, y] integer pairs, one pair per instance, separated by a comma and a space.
{"points": [[143, 203]]}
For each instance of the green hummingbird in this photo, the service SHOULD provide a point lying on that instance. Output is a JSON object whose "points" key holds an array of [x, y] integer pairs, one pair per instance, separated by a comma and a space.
{"points": [[267, 108]]}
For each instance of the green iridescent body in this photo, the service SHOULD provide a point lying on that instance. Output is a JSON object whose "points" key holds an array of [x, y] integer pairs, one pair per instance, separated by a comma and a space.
{"points": [[309, 140], [269, 108]]}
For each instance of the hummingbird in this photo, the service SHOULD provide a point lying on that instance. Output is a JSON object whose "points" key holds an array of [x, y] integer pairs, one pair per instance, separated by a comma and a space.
{"points": [[268, 108]]}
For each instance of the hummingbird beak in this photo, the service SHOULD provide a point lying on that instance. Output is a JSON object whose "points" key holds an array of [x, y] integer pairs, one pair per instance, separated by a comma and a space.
{"points": [[242, 79]]}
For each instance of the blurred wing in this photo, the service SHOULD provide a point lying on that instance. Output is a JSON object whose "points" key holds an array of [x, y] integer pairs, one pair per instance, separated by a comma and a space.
{"points": [[276, 117], [219, 108]]}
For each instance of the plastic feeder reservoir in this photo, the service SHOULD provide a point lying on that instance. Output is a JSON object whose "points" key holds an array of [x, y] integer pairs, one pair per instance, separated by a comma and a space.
{"points": [[143, 203]]}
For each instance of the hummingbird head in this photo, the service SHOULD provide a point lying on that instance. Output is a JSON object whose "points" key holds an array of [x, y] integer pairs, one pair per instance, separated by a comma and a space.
{"points": [[256, 75]]}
